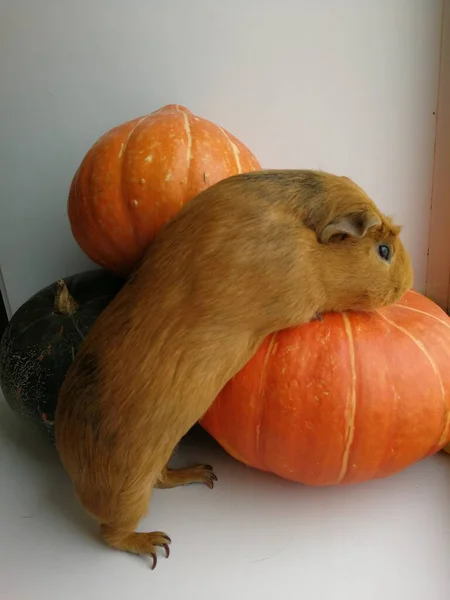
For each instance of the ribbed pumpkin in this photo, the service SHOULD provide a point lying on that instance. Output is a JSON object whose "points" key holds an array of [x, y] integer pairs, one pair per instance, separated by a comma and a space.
{"points": [[43, 337], [343, 400], [138, 175]]}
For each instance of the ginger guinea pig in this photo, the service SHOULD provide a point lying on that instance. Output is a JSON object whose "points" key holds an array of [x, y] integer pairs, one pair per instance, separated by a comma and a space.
{"points": [[252, 254]]}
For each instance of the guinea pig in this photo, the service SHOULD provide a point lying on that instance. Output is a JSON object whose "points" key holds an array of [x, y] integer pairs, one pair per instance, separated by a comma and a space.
{"points": [[250, 255]]}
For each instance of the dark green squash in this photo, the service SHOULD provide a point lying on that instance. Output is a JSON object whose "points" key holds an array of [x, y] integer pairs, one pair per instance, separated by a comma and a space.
{"points": [[42, 339]]}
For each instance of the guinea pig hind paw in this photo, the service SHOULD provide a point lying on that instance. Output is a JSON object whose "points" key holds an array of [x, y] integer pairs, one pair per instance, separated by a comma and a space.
{"points": [[145, 544]]}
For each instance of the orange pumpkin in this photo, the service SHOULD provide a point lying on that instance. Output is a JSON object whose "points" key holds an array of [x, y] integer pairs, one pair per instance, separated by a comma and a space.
{"points": [[351, 398], [138, 175]]}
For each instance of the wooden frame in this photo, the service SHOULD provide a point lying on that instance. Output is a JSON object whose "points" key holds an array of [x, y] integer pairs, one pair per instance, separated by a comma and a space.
{"points": [[438, 270]]}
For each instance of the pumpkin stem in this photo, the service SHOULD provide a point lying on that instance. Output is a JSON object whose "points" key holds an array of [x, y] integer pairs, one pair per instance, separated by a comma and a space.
{"points": [[64, 303]]}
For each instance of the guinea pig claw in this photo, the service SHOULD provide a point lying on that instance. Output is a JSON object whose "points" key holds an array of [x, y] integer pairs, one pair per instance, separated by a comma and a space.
{"points": [[162, 541], [210, 479]]}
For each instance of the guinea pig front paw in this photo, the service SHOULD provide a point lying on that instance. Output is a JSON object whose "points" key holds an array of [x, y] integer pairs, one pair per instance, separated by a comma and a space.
{"points": [[171, 478], [205, 474]]}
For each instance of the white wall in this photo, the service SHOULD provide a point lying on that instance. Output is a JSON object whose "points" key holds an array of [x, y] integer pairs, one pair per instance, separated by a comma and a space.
{"points": [[344, 85]]}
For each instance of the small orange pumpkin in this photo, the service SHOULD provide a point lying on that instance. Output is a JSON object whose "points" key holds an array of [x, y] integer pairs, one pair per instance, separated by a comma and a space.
{"points": [[347, 399], [138, 175]]}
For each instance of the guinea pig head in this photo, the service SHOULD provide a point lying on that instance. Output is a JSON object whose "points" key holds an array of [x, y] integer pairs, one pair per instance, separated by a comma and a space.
{"points": [[364, 263]]}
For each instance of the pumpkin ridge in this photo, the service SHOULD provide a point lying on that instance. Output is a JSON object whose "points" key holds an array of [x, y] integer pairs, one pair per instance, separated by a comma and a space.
{"points": [[267, 355], [124, 146], [422, 312], [446, 415], [45, 317], [234, 150], [74, 208], [78, 209], [123, 179], [77, 328], [416, 293], [350, 409], [38, 320], [92, 210], [187, 129]]}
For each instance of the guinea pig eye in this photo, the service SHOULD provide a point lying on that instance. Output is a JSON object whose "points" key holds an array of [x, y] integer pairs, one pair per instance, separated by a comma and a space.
{"points": [[384, 251]]}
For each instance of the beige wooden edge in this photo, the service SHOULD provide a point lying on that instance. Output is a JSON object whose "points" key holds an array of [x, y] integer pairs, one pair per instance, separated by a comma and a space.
{"points": [[438, 268]]}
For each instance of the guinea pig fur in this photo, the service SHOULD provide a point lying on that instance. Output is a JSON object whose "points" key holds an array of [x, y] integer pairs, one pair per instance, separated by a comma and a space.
{"points": [[250, 255]]}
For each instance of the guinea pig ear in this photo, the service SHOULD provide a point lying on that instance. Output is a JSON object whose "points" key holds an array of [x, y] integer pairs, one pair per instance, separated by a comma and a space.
{"points": [[354, 225]]}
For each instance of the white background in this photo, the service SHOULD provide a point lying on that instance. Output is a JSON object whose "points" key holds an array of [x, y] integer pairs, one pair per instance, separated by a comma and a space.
{"points": [[344, 85]]}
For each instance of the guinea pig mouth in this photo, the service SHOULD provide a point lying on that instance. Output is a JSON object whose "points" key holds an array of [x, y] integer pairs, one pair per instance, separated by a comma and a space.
{"points": [[393, 296], [396, 294]]}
